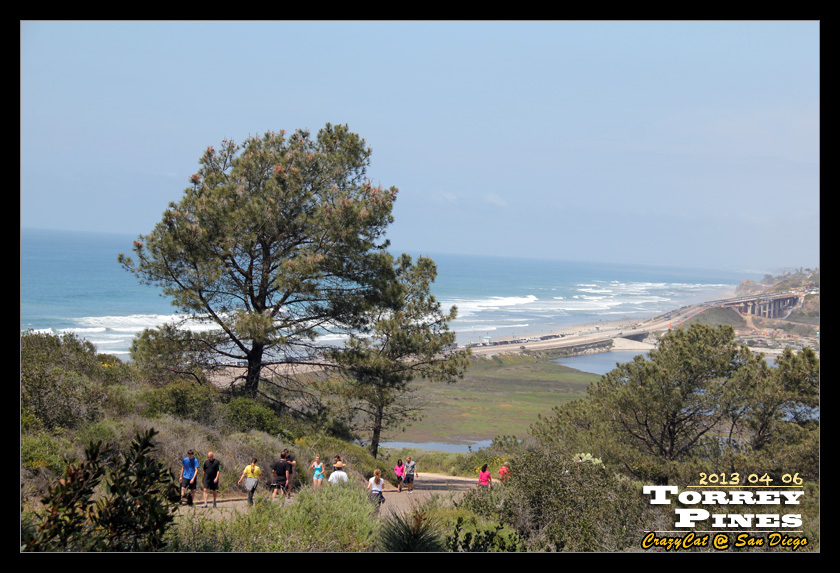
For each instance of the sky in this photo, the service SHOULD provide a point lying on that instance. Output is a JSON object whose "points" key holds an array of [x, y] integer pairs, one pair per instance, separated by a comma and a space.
{"points": [[688, 143]]}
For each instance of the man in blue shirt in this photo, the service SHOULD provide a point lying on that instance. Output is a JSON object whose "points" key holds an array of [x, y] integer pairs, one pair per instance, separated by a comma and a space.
{"points": [[189, 471]]}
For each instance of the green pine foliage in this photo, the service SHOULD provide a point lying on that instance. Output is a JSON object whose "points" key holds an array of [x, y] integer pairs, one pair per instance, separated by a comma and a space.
{"points": [[274, 239]]}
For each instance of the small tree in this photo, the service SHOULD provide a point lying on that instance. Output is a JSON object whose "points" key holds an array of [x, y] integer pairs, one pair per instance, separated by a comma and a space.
{"points": [[700, 401], [782, 423], [131, 513], [409, 338], [662, 407]]}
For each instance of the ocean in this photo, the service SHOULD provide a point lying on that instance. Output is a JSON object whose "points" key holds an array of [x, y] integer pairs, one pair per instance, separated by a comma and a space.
{"points": [[71, 283]]}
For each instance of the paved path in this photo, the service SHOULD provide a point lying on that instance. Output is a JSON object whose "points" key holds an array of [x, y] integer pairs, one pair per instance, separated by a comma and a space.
{"points": [[426, 485]]}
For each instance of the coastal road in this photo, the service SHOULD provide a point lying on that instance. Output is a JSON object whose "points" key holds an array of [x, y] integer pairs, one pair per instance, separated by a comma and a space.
{"points": [[573, 336], [602, 331]]}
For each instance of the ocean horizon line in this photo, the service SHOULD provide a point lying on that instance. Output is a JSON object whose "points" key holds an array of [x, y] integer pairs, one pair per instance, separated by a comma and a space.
{"points": [[414, 253], [71, 282]]}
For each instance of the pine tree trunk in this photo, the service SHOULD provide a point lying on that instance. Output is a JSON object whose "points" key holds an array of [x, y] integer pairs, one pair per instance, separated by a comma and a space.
{"points": [[377, 433]]}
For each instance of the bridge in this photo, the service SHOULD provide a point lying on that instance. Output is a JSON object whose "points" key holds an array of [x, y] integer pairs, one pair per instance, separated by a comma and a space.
{"points": [[765, 305]]}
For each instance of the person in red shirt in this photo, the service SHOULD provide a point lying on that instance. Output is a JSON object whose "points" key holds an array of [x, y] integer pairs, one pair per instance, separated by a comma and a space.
{"points": [[504, 471]]}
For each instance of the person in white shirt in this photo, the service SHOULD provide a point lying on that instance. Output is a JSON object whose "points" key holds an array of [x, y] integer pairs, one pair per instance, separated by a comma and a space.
{"points": [[338, 475], [375, 485]]}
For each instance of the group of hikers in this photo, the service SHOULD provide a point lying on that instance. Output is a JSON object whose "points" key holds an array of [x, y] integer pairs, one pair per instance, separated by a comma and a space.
{"points": [[281, 477], [211, 472]]}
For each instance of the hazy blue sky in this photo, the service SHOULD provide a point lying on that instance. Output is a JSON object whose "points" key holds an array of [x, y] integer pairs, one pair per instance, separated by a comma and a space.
{"points": [[687, 143]]}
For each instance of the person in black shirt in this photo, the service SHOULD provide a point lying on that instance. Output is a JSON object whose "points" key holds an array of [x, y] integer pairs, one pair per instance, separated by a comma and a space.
{"points": [[212, 472], [281, 473]]}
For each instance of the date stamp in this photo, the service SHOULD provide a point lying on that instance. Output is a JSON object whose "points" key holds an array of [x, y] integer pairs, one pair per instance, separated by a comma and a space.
{"points": [[727, 510], [734, 478]]}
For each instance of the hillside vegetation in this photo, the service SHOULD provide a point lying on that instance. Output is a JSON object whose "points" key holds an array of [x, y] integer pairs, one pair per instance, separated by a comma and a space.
{"points": [[576, 472]]}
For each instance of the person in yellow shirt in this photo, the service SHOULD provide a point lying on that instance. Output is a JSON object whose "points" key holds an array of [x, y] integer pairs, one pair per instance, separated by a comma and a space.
{"points": [[251, 474]]}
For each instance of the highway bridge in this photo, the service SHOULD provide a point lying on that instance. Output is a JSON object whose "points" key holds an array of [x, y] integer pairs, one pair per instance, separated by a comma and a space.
{"points": [[765, 305]]}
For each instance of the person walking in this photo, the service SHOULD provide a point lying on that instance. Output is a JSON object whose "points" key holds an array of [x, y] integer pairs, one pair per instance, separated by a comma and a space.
{"points": [[399, 470], [280, 473], [290, 459], [211, 471], [251, 474], [189, 469], [504, 471], [410, 473], [374, 486], [338, 475], [484, 478]]}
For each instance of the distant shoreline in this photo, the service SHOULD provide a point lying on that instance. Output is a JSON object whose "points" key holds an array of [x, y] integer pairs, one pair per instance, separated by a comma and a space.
{"points": [[592, 332]]}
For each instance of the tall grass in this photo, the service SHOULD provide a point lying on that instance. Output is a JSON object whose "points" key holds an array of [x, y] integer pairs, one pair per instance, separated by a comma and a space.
{"points": [[329, 519]]}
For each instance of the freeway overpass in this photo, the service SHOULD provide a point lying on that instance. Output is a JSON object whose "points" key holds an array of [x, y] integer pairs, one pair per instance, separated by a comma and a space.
{"points": [[765, 305]]}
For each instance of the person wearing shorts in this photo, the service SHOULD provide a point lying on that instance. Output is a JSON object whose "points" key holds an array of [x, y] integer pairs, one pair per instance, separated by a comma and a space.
{"points": [[189, 470], [280, 476], [211, 471], [410, 473], [317, 467], [399, 470]]}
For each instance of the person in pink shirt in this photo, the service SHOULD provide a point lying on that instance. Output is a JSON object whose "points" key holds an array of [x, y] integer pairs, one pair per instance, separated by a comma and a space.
{"points": [[484, 478], [399, 469]]}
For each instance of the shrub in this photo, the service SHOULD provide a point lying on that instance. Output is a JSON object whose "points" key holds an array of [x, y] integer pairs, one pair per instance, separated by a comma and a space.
{"points": [[131, 514], [184, 400], [243, 414], [415, 532], [560, 505], [486, 502], [45, 451], [102, 431], [492, 539], [61, 381]]}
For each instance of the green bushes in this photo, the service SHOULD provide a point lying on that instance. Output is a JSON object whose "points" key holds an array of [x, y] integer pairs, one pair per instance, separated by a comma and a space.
{"points": [[330, 519], [112, 501], [489, 539], [45, 451], [206, 405], [183, 399], [568, 506], [61, 381], [243, 414], [556, 504]]}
